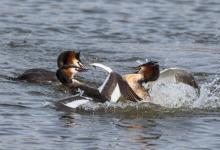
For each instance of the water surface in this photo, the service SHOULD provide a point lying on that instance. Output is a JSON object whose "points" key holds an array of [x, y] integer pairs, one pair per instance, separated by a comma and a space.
{"points": [[183, 34]]}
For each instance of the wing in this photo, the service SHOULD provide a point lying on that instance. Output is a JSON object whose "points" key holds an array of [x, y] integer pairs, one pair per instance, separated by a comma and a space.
{"points": [[126, 91], [88, 91], [115, 87]]}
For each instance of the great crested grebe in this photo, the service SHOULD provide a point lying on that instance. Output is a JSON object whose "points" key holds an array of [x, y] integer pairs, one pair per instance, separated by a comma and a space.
{"points": [[38, 75], [165, 78]]}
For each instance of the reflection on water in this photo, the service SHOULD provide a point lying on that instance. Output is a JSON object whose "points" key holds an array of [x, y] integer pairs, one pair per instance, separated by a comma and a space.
{"points": [[68, 120], [181, 34]]}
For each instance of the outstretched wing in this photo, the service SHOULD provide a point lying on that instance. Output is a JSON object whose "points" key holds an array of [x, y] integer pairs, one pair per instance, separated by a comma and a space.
{"points": [[126, 90], [88, 91], [115, 87]]}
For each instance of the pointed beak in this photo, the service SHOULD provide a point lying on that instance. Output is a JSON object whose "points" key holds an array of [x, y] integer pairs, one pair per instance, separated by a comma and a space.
{"points": [[82, 68]]}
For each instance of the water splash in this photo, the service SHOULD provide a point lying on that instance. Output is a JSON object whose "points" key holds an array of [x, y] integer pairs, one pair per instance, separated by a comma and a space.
{"points": [[175, 95], [165, 98], [139, 62], [209, 95]]}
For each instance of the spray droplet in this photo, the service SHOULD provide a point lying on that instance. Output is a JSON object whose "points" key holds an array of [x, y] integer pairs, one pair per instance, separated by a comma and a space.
{"points": [[140, 62]]}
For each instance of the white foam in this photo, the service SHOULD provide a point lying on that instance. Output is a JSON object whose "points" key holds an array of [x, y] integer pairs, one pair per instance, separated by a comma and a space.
{"points": [[173, 95], [140, 62], [209, 95], [77, 103]]}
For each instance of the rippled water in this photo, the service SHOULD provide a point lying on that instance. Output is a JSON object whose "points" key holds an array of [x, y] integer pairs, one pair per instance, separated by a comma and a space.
{"points": [[183, 34]]}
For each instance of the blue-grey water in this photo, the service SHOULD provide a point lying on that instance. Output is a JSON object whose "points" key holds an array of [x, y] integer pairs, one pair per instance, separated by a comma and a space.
{"points": [[177, 33]]}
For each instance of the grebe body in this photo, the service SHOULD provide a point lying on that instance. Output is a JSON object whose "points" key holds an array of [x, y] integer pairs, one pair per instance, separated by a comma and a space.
{"points": [[39, 75]]}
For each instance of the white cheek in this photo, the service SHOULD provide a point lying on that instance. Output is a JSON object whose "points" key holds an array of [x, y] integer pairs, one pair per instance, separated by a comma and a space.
{"points": [[77, 63], [73, 70]]}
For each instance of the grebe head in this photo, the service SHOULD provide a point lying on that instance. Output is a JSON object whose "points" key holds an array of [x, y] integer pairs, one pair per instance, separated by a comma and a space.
{"points": [[69, 64], [149, 70], [70, 58], [66, 73]]}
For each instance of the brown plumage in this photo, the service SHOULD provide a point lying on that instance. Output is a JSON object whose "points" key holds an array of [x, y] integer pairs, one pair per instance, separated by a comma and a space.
{"points": [[38, 75], [125, 90], [145, 73], [89, 91], [69, 58], [149, 70], [66, 75]]}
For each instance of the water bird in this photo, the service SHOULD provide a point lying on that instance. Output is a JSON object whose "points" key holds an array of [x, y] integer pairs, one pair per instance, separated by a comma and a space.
{"points": [[39, 75], [158, 80]]}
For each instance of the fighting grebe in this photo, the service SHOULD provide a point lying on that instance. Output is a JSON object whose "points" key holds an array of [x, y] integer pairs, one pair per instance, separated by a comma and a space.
{"points": [[114, 88], [38, 75], [166, 78]]}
